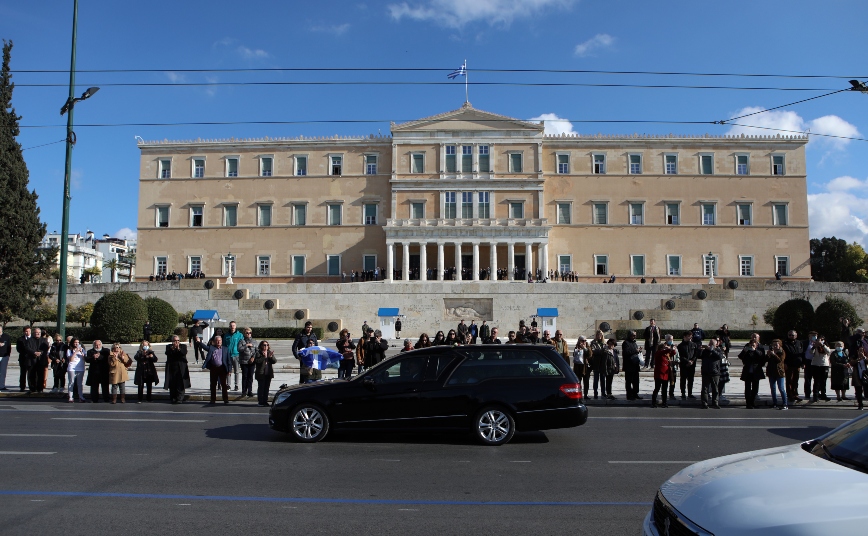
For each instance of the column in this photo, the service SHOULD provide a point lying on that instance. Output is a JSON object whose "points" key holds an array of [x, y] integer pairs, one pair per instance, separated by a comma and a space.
{"points": [[493, 262], [476, 261], [405, 262], [528, 259], [440, 263], [544, 258], [423, 261], [458, 267], [390, 261], [510, 260]]}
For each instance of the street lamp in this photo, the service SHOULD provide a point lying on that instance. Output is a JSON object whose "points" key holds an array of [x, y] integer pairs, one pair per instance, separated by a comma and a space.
{"points": [[710, 262], [230, 267], [67, 109]]}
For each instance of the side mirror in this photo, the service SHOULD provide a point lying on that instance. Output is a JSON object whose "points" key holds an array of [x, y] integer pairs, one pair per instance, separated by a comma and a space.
{"points": [[369, 383]]}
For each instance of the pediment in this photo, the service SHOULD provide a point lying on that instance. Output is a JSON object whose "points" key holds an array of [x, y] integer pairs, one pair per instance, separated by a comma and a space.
{"points": [[468, 118]]}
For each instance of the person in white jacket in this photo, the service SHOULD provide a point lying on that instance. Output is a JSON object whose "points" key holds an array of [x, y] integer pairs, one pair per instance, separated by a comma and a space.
{"points": [[75, 369], [820, 364]]}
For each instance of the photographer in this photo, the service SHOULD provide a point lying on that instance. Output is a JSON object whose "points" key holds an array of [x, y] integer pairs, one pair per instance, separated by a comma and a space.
{"points": [[376, 349], [820, 364], [666, 351], [632, 364], [793, 361], [346, 347], [246, 349], [687, 354], [711, 358], [752, 360]]}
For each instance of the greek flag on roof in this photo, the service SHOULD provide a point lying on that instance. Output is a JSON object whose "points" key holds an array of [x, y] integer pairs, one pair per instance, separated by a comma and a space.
{"points": [[461, 71]]}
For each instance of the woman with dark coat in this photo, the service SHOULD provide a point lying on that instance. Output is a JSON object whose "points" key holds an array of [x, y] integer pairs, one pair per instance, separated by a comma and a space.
{"points": [[452, 339], [177, 374], [57, 358], [860, 376], [725, 343], [265, 360], [840, 373], [752, 361], [439, 339], [346, 348], [423, 342], [146, 369], [776, 370]]}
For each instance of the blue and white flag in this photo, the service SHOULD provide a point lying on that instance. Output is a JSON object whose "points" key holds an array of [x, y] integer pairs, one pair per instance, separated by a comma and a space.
{"points": [[461, 71], [319, 357]]}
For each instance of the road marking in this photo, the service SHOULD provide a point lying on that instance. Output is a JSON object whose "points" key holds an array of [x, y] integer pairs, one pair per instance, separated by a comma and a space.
{"points": [[387, 460], [125, 420], [185, 504], [314, 500], [408, 509], [37, 435], [520, 461], [654, 461], [739, 427], [14, 453]]}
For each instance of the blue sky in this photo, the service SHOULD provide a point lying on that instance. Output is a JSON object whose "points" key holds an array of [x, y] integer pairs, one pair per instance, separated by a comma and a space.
{"points": [[792, 37]]}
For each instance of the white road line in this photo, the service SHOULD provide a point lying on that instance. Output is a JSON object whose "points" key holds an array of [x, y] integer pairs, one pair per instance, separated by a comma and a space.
{"points": [[520, 461], [738, 427], [387, 460], [13, 453], [657, 461], [125, 420], [37, 435]]}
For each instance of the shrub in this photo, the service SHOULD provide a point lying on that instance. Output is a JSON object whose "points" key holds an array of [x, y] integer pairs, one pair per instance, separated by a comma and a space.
{"points": [[282, 333], [769, 316], [181, 332], [797, 314], [119, 316], [162, 316], [827, 318]]}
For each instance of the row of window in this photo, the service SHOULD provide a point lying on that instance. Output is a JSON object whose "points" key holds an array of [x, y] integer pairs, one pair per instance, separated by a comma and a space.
{"points": [[672, 213], [264, 211], [464, 163], [564, 265]]}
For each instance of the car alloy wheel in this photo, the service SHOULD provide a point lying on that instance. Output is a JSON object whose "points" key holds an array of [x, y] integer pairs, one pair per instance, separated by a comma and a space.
{"points": [[309, 424], [494, 426]]}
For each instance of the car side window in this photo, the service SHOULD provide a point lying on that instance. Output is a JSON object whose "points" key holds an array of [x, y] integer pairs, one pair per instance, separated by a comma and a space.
{"points": [[506, 363], [437, 364], [408, 369]]}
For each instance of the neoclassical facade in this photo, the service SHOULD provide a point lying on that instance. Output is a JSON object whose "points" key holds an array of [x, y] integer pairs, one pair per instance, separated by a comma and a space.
{"points": [[473, 192]]}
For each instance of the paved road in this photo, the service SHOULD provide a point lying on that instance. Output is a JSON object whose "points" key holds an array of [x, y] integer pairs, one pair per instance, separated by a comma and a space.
{"points": [[159, 468]]}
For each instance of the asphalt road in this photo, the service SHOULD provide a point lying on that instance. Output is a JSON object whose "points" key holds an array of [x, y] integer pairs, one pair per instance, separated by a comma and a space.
{"points": [[159, 469]]}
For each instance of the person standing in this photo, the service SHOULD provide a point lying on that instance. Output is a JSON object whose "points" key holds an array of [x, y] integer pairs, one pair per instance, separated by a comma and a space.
{"points": [[423, 342], [597, 353], [793, 361], [652, 341], [687, 354], [346, 348], [217, 362], [75, 370], [820, 364], [493, 339], [807, 358], [27, 347], [230, 341], [264, 361], [485, 332], [146, 330], [119, 364], [631, 354], [398, 326], [57, 358], [361, 347], [44, 360], [376, 350], [196, 340], [177, 373], [840, 371], [776, 372], [860, 375], [662, 358], [301, 342], [726, 343], [461, 331], [98, 371], [698, 334], [5, 352], [146, 370], [752, 360], [560, 345], [473, 330], [711, 358], [246, 350], [613, 365]]}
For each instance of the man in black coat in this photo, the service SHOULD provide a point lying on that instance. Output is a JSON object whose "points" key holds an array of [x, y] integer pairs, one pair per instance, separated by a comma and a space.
{"points": [[793, 352], [652, 341], [177, 374], [28, 350], [300, 343], [36, 377], [632, 364], [98, 371], [711, 358], [376, 349], [688, 351], [5, 352], [146, 331]]}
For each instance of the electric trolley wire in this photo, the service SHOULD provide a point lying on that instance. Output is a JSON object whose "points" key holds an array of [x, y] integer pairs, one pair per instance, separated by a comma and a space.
{"points": [[727, 121]]}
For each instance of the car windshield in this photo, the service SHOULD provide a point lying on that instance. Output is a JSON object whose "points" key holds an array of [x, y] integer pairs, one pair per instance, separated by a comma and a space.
{"points": [[846, 445]]}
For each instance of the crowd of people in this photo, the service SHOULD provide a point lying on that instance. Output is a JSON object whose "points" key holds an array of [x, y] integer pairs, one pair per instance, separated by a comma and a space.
{"points": [[175, 276]]}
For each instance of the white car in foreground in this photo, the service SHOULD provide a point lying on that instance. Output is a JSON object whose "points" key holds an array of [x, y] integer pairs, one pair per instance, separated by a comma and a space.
{"points": [[816, 488]]}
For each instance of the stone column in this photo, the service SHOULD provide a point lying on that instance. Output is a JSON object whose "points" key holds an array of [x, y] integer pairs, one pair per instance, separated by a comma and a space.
{"points": [[405, 262], [390, 261], [528, 259], [423, 261], [544, 258], [458, 267], [476, 261], [440, 264], [493, 262], [510, 260]]}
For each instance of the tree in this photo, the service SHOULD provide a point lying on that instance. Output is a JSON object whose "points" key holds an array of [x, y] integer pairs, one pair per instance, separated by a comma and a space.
{"points": [[162, 316], [90, 274], [112, 266], [24, 266], [826, 257], [854, 264], [119, 317], [827, 319], [797, 314], [186, 318], [44, 311], [83, 313]]}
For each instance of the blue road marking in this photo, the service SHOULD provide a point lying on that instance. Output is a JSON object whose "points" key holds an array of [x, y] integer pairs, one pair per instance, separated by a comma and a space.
{"points": [[308, 499]]}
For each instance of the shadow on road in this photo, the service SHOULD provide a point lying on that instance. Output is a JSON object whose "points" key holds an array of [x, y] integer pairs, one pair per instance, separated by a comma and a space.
{"points": [[426, 438], [801, 434], [247, 432]]}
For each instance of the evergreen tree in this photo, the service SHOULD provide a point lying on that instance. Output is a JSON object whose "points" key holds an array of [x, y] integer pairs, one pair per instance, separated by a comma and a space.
{"points": [[24, 267]]}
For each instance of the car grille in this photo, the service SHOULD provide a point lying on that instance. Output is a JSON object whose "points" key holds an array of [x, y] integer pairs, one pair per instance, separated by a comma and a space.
{"points": [[668, 522]]}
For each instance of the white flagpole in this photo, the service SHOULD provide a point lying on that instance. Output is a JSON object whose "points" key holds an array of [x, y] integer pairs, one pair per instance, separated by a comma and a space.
{"points": [[466, 97]]}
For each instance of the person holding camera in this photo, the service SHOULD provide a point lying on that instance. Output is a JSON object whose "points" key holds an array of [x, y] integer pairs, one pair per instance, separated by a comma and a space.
{"points": [[820, 364], [776, 370], [98, 371], [376, 350], [632, 356], [711, 358], [860, 375], [752, 360], [264, 362], [346, 347], [665, 353], [687, 354], [146, 370], [246, 350]]}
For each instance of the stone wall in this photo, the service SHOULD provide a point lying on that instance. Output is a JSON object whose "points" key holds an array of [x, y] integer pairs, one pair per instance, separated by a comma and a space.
{"points": [[432, 306]]}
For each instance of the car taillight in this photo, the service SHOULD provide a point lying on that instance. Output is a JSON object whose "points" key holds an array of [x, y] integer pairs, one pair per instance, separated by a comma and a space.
{"points": [[572, 390]]}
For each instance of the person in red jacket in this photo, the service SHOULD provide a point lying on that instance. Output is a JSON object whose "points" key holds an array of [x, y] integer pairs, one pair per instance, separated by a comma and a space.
{"points": [[665, 351]]}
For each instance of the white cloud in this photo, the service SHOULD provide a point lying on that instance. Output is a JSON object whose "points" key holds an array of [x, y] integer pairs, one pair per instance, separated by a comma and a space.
{"points": [[554, 124], [126, 233], [176, 78], [598, 41], [457, 13], [793, 122], [251, 53], [841, 211], [336, 29]]}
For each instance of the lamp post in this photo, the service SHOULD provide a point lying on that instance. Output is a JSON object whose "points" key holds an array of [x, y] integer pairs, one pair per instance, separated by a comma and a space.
{"points": [[710, 262], [67, 108], [230, 267]]}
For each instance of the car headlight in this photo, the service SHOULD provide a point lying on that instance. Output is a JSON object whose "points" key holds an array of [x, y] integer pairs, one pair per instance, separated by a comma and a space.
{"points": [[281, 397]]}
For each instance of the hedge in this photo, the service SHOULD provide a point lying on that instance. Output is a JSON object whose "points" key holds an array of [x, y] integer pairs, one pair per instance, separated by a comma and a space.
{"points": [[797, 314], [119, 316], [827, 317], [281, 333], [162, 316]]}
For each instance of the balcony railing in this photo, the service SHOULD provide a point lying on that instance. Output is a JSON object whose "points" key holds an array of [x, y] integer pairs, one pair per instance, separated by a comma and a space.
{"points": [[467, 222]]}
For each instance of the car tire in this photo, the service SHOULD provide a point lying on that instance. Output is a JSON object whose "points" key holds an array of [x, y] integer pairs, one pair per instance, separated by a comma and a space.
{"points": [[493, 426], [308, 423]]}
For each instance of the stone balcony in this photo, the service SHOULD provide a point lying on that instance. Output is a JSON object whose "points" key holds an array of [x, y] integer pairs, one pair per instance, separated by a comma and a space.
{"points": [[467, 222]]}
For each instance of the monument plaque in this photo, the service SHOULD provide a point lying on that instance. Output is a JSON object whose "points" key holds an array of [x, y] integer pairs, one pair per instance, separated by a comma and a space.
{"points": [[194, 284], [468, 309], [223, 294]]}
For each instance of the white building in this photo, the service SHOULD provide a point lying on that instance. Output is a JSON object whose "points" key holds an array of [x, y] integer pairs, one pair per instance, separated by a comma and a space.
{"points": [[82, 255], [124, 252]]}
